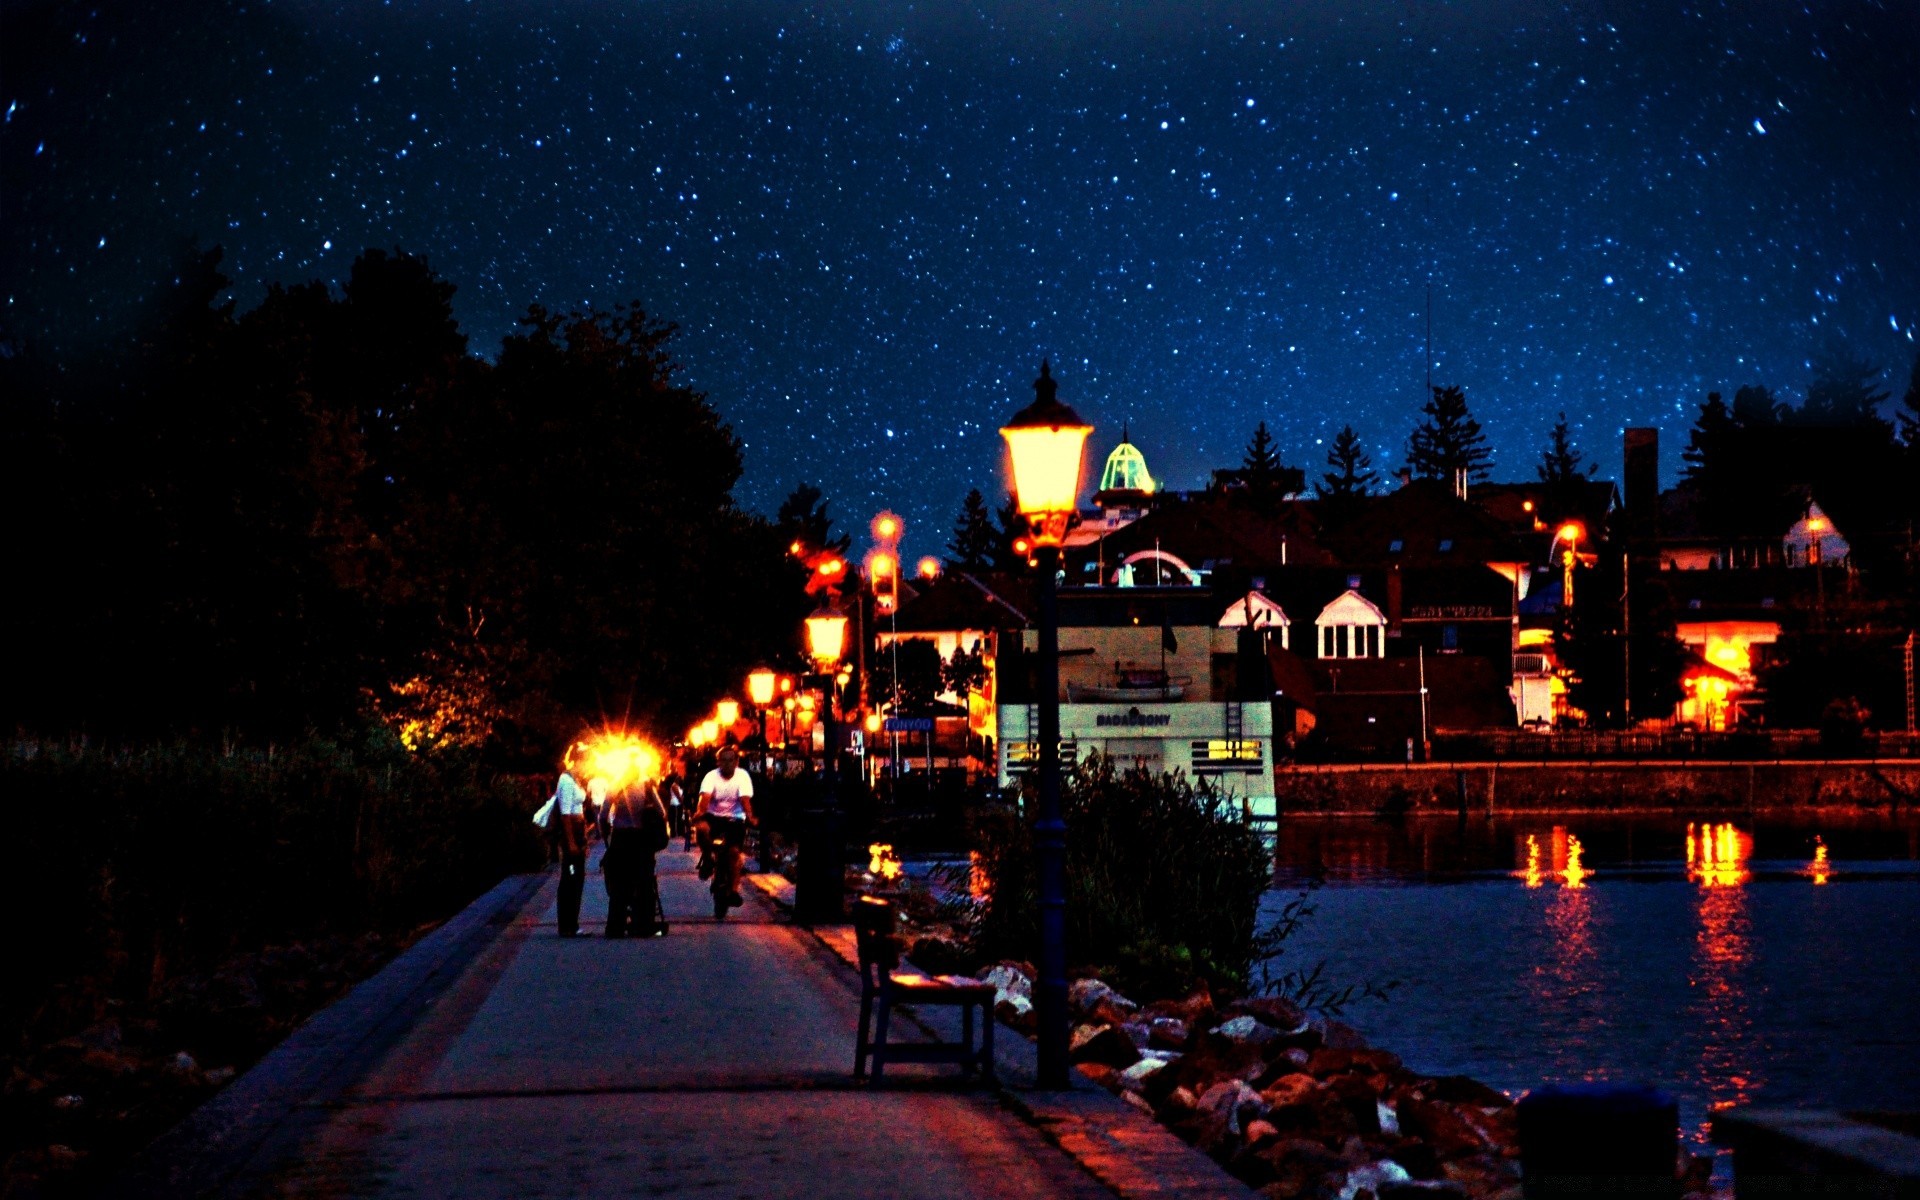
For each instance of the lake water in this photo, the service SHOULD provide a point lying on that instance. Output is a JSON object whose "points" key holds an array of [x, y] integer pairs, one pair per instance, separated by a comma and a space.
{"points": [[1770, 962]]}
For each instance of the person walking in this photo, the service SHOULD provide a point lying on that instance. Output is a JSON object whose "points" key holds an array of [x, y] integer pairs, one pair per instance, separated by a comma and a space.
{"points": [[567, 841], [676, 797], [726, 808], [633, 825]]}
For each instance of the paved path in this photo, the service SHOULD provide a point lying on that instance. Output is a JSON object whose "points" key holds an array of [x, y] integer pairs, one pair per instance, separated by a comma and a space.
{"points": [[713, 1062]]}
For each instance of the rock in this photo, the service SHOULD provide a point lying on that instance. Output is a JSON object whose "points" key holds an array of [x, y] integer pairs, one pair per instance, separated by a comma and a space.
{"points": [[1441, 1126], [1084, 996], [1008, 982], [1282, 1015], [1234, 1102], [1245, 1030], [1291, 1089], [1016, 1011], [1372, 1177], [71, 1100], [1357, 1095], [1134, 1078], [1388, 1118], [1337, 1036], [1102, 1044], [183, 1062], [104, 1035], [1102, 1074], [1194, 1008], [1332, 1061], [1422, 1189], [1138, 1032], [1484, 1175], [1168, 1033], [1181, 1100], [1139, 1102], [1417, 1157], [219, 1076]]}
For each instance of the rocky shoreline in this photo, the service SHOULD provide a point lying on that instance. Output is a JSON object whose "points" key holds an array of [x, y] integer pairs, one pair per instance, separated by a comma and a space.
{"points": [[1296, 1105]]}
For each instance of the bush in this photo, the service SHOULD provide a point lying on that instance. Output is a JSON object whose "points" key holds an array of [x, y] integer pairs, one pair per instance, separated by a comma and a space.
{"points": [[132, 868], [1164, 879]]}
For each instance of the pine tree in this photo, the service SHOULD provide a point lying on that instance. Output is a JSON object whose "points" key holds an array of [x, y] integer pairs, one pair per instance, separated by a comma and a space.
{"points": [[1449, 441], [1261, 461], [803, 518], [974, 537], [1845, 391], [1010, 525], [1755, 408], [1707, 442], [1910, 409], [1352, 473], [1560, 461]]}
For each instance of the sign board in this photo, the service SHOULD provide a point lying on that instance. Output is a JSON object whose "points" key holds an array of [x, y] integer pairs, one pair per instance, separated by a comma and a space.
{"points": [[909, 725]]}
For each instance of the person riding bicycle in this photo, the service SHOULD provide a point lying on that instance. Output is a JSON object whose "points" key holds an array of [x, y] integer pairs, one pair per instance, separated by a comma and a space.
{"points": [[726, 809]]}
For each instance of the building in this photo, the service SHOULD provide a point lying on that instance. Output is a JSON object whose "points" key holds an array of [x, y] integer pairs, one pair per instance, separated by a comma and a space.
{"points": [[1151, 678]]}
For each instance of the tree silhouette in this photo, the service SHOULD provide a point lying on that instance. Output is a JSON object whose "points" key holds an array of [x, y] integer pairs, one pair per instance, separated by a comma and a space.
{"points": [[803, 518], [1352, 475], [1011, 526], [1845, 391], [1449, 441], [1562, 472], [974, 537]]}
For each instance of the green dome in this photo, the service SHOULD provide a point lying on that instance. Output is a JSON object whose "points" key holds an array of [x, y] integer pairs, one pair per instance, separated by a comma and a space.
{"points": [[1126, 470]]}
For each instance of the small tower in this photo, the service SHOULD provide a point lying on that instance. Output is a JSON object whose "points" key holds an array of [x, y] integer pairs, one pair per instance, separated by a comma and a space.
{"points": [[1125, 482]]}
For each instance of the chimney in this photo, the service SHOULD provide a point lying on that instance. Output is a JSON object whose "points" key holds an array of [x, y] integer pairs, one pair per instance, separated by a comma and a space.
{"points": [[1642, 475]]}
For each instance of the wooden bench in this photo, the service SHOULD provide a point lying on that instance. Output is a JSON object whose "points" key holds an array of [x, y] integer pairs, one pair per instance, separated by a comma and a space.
{"points": [[882, 986]]}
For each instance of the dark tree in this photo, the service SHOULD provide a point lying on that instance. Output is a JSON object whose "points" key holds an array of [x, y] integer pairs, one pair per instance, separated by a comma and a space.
{"points": [[1562, 471], [803, 518], [965, 672], [919, 671], [1011, 526], [1591, 644], [1708, 441], [974, 537], [1754, 407], [1845, 391], [1350, 479], [1261, 472], [1449, 441], [1260, 462]]}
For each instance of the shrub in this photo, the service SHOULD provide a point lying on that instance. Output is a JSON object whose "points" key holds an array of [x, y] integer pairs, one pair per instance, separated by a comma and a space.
{"points": [[1164, 878], [139, 866]]}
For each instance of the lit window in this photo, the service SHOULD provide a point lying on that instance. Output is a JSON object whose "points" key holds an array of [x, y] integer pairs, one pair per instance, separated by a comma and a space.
{"points": [[1446, 544], [1393, 547]]}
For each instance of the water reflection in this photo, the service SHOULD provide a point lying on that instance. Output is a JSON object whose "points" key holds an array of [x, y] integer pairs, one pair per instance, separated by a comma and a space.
{"points": [[1720, 1013], [1717, 855], [1821, 870]]}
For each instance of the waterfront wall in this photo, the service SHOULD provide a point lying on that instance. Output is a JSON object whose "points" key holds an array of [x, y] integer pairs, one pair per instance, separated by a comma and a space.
{"points": [[1597, 786]]}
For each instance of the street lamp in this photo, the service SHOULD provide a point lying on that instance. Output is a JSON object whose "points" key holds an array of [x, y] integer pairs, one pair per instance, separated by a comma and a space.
{"points": [[760, 687], [727, 712], [1045, 442], [817, 891], [1570, 533]]}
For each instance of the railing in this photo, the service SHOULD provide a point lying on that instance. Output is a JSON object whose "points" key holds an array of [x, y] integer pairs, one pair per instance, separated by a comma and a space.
{"points": [[1669, 746]]}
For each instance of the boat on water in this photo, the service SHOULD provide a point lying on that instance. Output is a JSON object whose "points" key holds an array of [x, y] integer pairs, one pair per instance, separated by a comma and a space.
{"points": [[1124, 693]]}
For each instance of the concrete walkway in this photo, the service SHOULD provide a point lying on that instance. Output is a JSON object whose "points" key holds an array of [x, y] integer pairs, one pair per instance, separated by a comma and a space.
{"points": [[714, 1062]]}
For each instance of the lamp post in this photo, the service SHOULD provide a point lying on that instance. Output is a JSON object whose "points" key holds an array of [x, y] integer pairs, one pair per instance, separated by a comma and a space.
{"points": [[817, 891], [1045, 441], [1569, 533], [760, 684]]}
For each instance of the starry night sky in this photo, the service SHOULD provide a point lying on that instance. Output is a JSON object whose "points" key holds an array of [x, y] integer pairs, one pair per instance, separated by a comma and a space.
{"points": [[872, 222]]}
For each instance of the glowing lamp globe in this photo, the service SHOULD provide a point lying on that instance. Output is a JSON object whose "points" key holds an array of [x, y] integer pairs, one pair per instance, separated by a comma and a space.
{"points": [[826, 635], [881, 565], [726, 712], [760, 686], [929, 568], [709, 732], [887, 527], [1045, 444], [1570, 532]]}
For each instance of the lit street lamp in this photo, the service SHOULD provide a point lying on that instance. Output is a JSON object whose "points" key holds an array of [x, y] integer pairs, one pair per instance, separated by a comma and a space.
{"points": [[817, 891], [1045, 441], [1570, 533]]}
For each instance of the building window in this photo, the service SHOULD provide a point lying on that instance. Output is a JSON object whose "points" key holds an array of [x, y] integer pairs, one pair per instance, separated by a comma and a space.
{"points": [[1393, 547], [1216, 756], [1446, 544], [1449, 637]]}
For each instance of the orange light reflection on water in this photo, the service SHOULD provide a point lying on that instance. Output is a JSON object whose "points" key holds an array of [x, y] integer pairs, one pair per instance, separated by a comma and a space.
{"points": [[1561, 859], [1821, 870], [1717, 854]]}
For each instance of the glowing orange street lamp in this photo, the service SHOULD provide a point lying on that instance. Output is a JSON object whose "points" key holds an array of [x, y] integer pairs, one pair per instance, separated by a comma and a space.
{"points": [[760, 685], [1570, 533], [727, 713], [928, 568], [1045, 443], [887, 528], [826, 637]]}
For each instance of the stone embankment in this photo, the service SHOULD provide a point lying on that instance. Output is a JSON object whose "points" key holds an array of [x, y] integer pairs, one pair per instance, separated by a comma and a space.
{"points": [[1597, 786], [1298, 1106]]}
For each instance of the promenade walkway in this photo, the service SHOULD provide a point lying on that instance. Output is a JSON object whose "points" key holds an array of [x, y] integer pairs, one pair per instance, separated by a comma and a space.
{"points": [[714, 1062]]}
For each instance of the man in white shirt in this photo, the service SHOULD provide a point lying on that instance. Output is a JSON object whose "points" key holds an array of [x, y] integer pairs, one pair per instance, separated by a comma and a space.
{"points": [[726, 805], [567, 833]]}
